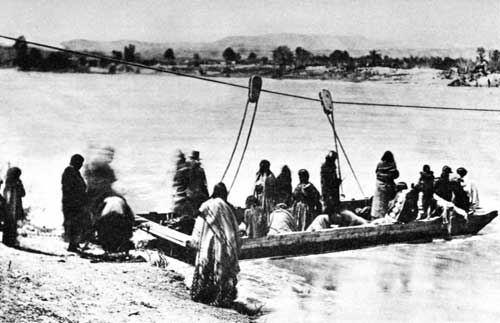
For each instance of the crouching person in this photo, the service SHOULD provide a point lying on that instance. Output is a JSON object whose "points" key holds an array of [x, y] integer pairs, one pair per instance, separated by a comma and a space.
{"points": [[215, 236], [344, 218], [281, 220]]}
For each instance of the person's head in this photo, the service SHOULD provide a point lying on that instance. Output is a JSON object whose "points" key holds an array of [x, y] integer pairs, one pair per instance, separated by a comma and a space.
{"points": [[195, 159], [388, 157], [13, 175], [251, 201], [285, 172], [181, 158], [426, 168], [76, 161], [461, 171], [303, 176], [446, 170], [331, 157], [220, 191], [264, 166]]}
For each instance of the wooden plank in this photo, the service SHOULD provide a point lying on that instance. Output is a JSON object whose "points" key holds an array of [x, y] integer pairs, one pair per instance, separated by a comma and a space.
{"points": [[163, 232]]}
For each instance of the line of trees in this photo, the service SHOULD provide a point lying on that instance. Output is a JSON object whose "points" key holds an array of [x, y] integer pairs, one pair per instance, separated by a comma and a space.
{"points": [[282, 57]]}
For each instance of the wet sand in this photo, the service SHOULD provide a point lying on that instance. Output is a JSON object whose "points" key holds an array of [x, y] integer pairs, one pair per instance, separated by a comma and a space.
{"points": [[66, 288]]}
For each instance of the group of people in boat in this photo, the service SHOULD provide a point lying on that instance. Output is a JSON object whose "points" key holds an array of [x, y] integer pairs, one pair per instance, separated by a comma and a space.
{"points": [[276, 208], [446, 196]]}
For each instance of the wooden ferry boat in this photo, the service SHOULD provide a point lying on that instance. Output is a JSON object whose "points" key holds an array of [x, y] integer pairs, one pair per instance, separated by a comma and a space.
{"points": [[178, 244]]}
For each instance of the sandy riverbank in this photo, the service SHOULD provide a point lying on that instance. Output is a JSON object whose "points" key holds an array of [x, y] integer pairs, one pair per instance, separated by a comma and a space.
{"points": [[62, 287]]}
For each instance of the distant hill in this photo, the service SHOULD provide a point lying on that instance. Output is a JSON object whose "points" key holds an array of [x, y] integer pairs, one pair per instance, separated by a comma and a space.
{"points": [[263, 45]]}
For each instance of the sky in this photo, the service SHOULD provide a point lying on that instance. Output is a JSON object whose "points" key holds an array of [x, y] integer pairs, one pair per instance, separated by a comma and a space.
{"points": [[415, 23]]}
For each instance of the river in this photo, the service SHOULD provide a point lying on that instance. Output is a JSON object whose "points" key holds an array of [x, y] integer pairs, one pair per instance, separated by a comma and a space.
{"points": [[48, 117]]}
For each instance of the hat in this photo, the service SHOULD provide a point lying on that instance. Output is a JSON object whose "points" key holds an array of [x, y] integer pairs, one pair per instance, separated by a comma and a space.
{"points": [[195, 155], [461, 171], [447, 169]]}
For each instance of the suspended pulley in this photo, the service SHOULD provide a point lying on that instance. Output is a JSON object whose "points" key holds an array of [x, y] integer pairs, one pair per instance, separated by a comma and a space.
{"points": [[254, 87], [326, 101]]}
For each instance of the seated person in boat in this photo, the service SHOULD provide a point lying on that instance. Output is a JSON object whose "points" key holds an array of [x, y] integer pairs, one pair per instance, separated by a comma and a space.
{"points": [[344, 218], [281, 221], [469, 188], [404, 207], [307, 203], [460, 197], [255, 219]]}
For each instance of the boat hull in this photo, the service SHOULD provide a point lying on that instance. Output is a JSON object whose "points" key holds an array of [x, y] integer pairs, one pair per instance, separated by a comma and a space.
{"points": [[304, 243]]}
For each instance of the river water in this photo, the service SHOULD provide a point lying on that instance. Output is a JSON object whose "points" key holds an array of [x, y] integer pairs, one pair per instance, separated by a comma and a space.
{"points": [[48, 117]]}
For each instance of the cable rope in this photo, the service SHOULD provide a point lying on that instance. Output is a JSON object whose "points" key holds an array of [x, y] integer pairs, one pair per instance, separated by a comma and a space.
{"points": [[347, 159], [162, 70], [246, 146], [237, 141]]}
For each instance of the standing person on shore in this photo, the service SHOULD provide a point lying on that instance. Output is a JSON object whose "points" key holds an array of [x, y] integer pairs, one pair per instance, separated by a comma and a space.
{"points": [[74, 202], [216, 237], [307, 202], [385, 190], [13, 193], [284, 186], [265, 188], [197, 188], [330, 183], [3, 210]]}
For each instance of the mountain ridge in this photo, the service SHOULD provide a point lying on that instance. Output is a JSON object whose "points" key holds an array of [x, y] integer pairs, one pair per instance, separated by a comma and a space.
{"points": [[262, 45]]}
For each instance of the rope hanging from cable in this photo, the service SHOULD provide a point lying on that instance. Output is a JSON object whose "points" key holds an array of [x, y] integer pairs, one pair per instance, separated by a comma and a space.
{"points": [[255, 86], [162, 70]]}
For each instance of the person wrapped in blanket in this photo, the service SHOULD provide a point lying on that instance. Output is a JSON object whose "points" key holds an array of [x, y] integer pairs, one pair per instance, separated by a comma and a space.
{"points": [[385, 191], [216, 239], [307, 201]]}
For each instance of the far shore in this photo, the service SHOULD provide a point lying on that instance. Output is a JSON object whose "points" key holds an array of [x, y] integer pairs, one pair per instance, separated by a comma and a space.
{"points": [[366, 74]]}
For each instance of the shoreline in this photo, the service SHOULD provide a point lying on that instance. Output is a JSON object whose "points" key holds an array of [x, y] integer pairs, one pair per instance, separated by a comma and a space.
{"points": [[417, 75], [58, 286]]}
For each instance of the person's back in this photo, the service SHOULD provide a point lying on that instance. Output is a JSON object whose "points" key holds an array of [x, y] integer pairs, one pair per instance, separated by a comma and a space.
{"points": [[460, 197], [13, 193], [255, 219], [73, 188], [284, 186], [442, 185], [330, 183], [426, 183], [321, 222], [469, 187], [281, 221]]}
